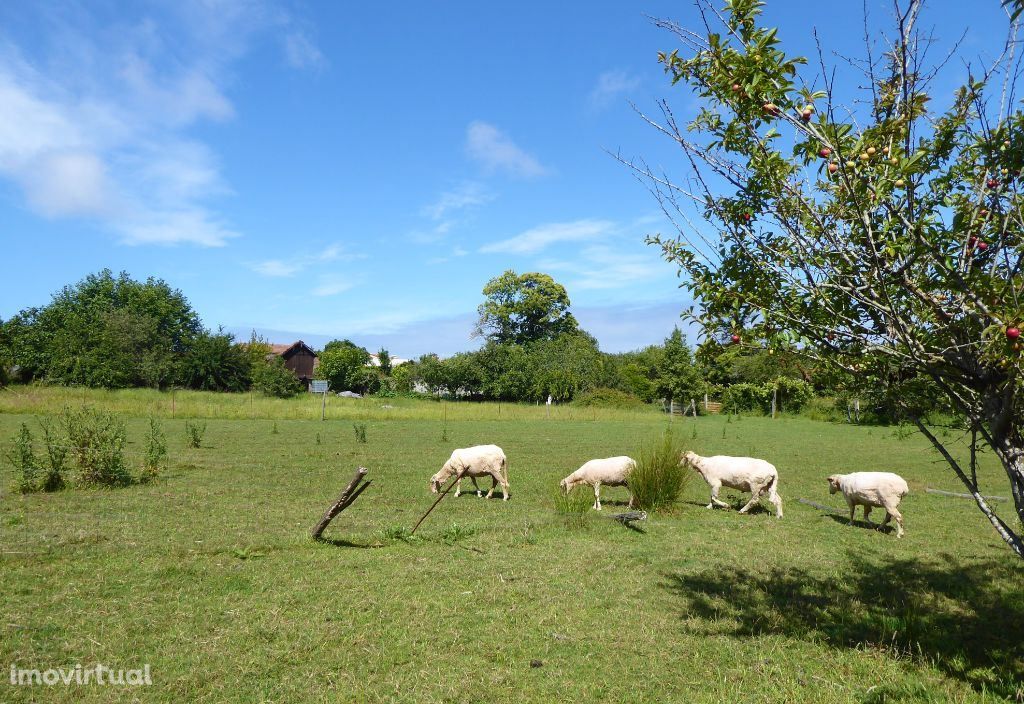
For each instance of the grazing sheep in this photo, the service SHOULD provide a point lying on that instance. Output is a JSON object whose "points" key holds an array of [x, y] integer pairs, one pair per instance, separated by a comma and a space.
{"points": [[473, 462], [742, 473], [870, 489], [611, 471]]}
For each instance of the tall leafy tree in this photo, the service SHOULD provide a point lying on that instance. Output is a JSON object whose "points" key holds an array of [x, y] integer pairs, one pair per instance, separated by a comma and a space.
{"points": [[520, 309], [680, 378], [885, 242], [343, 363]]}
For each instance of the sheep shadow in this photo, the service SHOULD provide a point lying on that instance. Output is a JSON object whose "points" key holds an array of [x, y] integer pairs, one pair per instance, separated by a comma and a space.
{"points": [[860, 523], [963, 617]]}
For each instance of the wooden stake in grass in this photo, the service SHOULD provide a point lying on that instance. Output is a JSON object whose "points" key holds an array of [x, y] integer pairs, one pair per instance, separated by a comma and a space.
{"points": [[437, 501], [350, 494]]}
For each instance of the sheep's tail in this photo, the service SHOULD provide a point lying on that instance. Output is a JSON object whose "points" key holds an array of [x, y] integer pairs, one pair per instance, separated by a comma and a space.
{"points": [[773, 485], [504, 468]]}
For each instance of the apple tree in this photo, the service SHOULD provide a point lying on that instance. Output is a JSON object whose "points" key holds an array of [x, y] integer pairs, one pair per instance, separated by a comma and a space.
{"points": [[877, 230]]}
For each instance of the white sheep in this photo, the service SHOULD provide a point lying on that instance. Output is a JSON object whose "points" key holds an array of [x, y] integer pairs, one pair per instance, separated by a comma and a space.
{"points": [[610, 471], [473, 462], [870, 489], [742, 473]]}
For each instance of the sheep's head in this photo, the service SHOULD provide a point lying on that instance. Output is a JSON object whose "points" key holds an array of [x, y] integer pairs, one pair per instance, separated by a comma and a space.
{"points": [[833, 484], [567, 485], [441, 477], [689, 459]]}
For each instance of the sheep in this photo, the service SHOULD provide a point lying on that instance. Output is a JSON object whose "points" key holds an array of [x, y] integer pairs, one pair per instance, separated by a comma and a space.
{"points": [[611, 471], [473, 462], [870, 489], [743, 473]]}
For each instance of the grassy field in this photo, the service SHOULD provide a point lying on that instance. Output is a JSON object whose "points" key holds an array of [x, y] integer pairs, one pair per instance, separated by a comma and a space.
{"points": [[209, 575]]}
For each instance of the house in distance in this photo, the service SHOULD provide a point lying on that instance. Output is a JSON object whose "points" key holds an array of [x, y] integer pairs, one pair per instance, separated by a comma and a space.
{"points": [[299, 358]]}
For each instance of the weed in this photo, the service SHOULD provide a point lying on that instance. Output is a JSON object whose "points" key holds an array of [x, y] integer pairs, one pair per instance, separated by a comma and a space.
{"points": [[97, 440], [156, 451], [56, 457], [318, 440], [23, 457], [456, 532], [194, 433], [273, 428], [360, 430]]}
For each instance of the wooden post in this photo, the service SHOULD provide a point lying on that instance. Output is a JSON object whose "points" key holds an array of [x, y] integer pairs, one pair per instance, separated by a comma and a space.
{"points": [[323, 408], [172, 401], [774, 392], [856, 409], [705, 402], [436, 502], [345, 500]]}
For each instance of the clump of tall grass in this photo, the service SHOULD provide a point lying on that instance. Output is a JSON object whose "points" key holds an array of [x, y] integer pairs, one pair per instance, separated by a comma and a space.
{"points": [[573, 506], [360, 430], [658, 478], [56, 457]]}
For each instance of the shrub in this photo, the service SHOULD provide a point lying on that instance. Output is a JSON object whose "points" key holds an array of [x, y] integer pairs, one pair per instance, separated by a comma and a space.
{"points": [[272, 378], [23, 457], [360, 430], [97, 441], [156, 451], [456, 532], [607, 398], [194, 433], [56, 457], [746, 397], [573, 506], [658, 478]]}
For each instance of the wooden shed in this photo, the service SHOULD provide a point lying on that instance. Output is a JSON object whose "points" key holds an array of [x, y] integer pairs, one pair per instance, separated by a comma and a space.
{"points": [[299, 357]]}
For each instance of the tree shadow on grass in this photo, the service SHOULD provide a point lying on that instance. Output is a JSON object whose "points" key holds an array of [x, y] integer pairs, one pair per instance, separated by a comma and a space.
{"points": [[964, 618]]}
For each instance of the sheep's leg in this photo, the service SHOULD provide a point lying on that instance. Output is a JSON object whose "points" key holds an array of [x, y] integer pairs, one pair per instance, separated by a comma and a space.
{"points": [[494, 483], [755, 496], [853, 507], [504, 489], [597, 495], [715, 488], [631, 497], [774, 497], [867, 514], [893, 512], [458, 487], [476, 486]]}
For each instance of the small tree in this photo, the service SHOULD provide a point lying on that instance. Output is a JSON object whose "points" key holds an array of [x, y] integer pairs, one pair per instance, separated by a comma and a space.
{"points": [[884, 242], [384, 359], [679, 377], [343, 363]]}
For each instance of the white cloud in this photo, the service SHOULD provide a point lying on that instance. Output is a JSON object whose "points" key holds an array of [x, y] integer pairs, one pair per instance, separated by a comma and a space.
{"points": [[93, 119], [466, 195], [301, 52], [284, 268], [494, 149], [332, 285], [538, 238], [610, 86]]}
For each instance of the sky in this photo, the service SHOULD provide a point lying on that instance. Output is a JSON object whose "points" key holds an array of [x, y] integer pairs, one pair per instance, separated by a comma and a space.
{"points": [[323, 170]]}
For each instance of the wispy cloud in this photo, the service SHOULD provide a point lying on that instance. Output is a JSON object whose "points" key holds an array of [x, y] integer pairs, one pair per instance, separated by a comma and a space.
{"points": [[289, 267], [465, 195], [603, 267], [496, 151], [95, 121], [611, 85], [301, 52], [333, 284], [541, 237]]}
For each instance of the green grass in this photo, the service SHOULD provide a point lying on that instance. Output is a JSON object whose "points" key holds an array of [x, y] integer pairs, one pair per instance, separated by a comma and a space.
{"points": [[209, 576]]}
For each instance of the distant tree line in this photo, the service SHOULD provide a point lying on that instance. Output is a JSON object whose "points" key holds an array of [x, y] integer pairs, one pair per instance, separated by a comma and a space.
{"points": [[111, 331]]}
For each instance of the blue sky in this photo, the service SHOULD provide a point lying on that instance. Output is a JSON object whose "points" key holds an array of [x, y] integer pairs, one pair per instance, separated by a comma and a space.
{"points": [[339, 169]]}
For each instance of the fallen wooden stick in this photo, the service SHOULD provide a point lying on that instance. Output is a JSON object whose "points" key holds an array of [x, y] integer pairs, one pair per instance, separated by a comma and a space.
{"points": [[345, 499], [447, 489], [821, 507], [964, 496]]}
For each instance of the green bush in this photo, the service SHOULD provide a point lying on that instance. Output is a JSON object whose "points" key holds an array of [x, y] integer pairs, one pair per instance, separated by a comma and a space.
{"points": [[360, 430], [97, 441], [23, 457], [271, 377], [607, 398], [194, 433], [658, 478], [791, 395]]}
